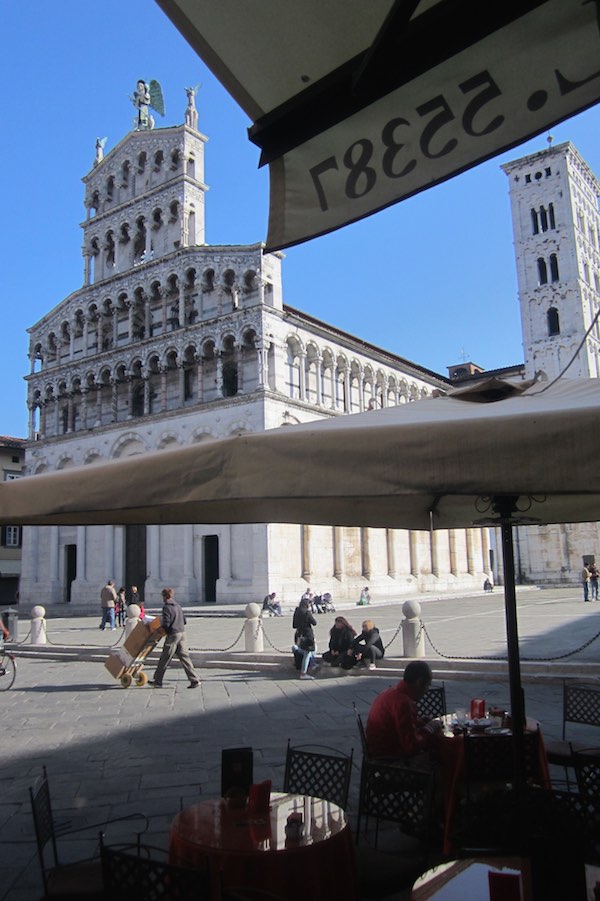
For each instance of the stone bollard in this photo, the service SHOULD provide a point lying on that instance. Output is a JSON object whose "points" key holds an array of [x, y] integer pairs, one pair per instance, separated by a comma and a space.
{"points": [[38, 625], [253, 630], [412, 634], [133, 618]]}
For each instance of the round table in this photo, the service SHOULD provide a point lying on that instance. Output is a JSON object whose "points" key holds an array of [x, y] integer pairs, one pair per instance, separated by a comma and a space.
{"points": [[482, 879], [253, 851]]}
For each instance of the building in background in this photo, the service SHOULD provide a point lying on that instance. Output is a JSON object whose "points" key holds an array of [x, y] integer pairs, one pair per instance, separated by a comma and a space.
{"points": [[170, 342], [12, 460]]}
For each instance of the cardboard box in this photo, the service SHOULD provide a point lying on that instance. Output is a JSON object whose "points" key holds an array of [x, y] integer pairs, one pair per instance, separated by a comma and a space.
{"points": [[115, 665], [137, 640]]}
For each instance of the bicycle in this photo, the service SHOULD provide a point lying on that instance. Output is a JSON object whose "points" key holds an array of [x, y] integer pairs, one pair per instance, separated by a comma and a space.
{"points": [[8, 668]]}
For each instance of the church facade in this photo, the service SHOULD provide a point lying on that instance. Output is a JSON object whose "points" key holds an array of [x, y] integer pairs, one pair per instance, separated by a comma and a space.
{"points": [[171, 341]]}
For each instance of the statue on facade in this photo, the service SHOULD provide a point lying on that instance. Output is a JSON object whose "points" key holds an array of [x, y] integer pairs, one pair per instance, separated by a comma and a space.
{"points": [[146, 97], [191, 113], [100, 142]]}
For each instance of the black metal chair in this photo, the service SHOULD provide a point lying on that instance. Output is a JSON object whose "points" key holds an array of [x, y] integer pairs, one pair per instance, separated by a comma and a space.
{"points": [[581, 704], [399, 794], [319, 771], [81, 877], [143, 873], [587, 771], [361, 730], [433, 702]]}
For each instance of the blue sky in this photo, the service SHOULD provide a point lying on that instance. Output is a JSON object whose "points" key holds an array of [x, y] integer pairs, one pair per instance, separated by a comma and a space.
{"points": [[431, 279]]}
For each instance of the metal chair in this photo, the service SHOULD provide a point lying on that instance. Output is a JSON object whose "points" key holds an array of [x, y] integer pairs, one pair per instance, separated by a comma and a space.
{"points": [[142, 873], [433, 702], [587, 771], [82, 877], [581, 704], [310, 771], [361, 730], [490, 761], [400, 794]]}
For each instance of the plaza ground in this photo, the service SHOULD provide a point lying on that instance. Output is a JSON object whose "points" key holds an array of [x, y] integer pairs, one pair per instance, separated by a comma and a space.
{"points": [[110, 751]]}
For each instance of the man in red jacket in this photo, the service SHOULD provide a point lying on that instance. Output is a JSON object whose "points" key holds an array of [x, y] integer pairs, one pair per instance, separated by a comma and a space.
{"points": [[394, 728]]}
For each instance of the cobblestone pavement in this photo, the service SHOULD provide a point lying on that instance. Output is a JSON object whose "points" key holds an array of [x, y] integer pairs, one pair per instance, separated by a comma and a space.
{"points": [[111, 751]]}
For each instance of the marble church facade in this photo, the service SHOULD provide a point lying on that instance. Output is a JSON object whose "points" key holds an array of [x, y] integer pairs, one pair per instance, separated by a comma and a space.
{"points": [[171, 341]]}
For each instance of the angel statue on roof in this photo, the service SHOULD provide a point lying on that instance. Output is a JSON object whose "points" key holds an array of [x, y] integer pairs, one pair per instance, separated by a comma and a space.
{"points": [[146, 97]]}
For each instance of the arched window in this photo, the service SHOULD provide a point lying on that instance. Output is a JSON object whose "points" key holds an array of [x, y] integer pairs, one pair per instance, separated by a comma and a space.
{"points": [[544, 219], [554, 267], [542, 271], [535, 226], [551, 215], [230, 379], [553, 322]]}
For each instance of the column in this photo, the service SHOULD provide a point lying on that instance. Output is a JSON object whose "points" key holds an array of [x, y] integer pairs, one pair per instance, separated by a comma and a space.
{"points": [[434, 552], [361, 390], [365, 552], [31, 427], [199, 360], [188, 551], [129, 397], [261, 359], [163, 388], [98, 404], [319, 375], [302, 374], [130, 310], [391, 553], [346, 390], [338, 552], [181, 305], [333, 385], [471, 566], [454, 568], [87, 269], [154, 554], [146, 379], [384, 391], [43, 419], [115, 325], [485, 551], [181, 381], [413, 545], [70, 413], [219, 373], [164, 312], [54, 587], [114, 400], [81, 574], [147, 318], [85, 335], [305, 544]]}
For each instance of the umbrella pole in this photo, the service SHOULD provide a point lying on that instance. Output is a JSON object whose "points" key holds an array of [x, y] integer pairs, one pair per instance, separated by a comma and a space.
{"points": [[506, 506]]}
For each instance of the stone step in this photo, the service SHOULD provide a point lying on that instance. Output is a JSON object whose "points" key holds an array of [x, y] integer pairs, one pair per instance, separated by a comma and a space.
{"points": [[389, 668]]}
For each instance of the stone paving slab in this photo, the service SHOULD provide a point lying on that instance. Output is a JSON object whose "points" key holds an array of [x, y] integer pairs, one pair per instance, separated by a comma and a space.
{"points": [[110, 750]]}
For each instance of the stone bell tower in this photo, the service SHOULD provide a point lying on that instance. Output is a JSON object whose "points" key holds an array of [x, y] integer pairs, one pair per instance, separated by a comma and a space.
{"points": [[145, 199], [556, 225]]}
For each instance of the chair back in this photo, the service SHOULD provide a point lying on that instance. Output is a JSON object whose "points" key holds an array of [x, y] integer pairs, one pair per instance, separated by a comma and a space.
{"points": [[319, 771], [401, 794], [43, 822], [581, 704], [361, 731], [433, 702], [135, 873], [587, 771], [490, 758]]}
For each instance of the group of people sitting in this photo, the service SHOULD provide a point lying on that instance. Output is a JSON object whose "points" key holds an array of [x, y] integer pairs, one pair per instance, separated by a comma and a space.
{"points": [[318, 603], [346, 648]]}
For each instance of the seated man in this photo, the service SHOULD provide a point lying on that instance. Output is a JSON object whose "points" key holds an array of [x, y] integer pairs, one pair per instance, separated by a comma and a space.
{"points": [[393, 727]]}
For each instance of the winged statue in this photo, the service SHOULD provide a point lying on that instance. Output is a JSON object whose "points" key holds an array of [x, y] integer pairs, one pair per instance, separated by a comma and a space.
{"points": [[100, 144], [147, 96]]}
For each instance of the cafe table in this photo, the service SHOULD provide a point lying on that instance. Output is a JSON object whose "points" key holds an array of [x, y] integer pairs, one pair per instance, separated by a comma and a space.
{"points": [[480, 879], [254, 851], [451, 755]]}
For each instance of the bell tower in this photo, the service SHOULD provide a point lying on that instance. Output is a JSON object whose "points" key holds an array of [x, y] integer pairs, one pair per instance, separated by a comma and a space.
{"points": [[145, 198], [556, 227]]}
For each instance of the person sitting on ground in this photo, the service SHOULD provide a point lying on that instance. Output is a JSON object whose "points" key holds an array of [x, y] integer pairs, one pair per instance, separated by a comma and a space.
{"points": [[304, 646], [272, 606], [394, 728], [341, 637], [365, 597], [365, 649]]}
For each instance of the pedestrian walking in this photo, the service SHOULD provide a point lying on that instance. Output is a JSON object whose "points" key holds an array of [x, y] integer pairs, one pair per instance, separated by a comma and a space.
{"points": [[173, 622], [120, 607], [108, 597]]}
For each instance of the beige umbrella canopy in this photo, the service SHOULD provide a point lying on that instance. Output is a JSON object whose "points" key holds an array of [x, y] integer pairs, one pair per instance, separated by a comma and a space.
{"points": [[426, 464], [496, 450], [357, 104]]}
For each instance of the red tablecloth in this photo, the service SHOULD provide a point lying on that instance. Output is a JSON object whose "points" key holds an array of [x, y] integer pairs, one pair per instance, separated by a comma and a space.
{"points": [[452, 758], [254, 852]]}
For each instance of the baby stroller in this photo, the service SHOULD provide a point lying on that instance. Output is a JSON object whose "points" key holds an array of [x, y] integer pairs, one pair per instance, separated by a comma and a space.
{"points": [[324, 603]]}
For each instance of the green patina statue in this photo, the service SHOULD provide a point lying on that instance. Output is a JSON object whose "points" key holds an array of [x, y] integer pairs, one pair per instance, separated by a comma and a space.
{"points": [[147, 97]]}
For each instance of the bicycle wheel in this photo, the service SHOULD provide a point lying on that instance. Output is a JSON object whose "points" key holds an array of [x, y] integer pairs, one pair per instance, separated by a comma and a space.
{"points": [[8, 671]]}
